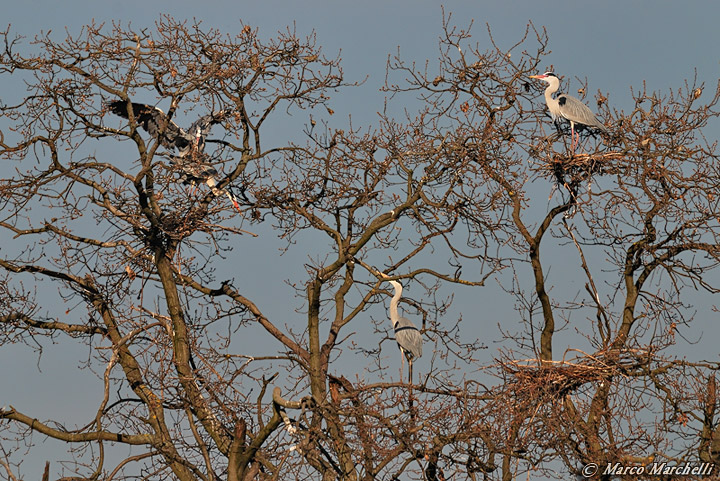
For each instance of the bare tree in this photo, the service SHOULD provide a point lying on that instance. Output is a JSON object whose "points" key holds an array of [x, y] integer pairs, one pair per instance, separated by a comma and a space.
{"points": [[452, 196], [644, 198]]}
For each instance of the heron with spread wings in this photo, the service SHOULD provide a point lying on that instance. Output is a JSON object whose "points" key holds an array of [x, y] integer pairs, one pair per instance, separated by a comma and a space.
{"points": [[190, 143]]}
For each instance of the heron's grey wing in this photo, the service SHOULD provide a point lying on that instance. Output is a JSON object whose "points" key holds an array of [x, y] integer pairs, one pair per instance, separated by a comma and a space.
{"points": [[576, 111], [408, 337], [202, 126], [153, 121], [194, 172], [205, 123], [187, 176]]}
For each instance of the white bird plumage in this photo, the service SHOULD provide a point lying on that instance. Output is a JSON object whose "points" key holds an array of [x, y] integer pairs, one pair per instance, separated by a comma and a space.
{"points": [[408, 336], [567, 107]]}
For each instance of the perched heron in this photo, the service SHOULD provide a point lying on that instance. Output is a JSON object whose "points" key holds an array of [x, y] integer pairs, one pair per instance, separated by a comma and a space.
{"points": [[408, 336], [194, 173], [190, 143], [567, 107]]}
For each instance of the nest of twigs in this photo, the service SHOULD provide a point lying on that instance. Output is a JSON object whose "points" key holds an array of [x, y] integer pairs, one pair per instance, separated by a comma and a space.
{"points": [[571, 169], [531, 379], [178, 225]]}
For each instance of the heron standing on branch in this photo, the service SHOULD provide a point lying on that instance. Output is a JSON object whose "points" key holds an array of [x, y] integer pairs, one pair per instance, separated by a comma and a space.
{"points": [[566, 107], [407, 336]]}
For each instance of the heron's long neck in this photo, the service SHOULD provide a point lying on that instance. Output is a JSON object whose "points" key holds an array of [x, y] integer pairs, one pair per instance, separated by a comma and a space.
{"points": [[394, 304], [551, 89]]}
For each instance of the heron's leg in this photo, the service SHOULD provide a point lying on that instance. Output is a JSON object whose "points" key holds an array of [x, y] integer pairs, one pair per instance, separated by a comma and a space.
{"points": [[410, 371], [577, 144]]}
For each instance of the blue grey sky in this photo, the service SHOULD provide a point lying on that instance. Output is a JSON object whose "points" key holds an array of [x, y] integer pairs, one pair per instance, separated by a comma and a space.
{"points": [[616, 45]]}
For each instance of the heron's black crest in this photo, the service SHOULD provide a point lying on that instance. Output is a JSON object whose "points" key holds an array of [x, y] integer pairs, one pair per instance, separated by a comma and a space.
{"points": [[550, 74]]}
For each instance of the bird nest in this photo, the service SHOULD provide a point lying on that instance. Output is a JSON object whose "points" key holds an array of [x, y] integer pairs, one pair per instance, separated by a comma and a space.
{"points": [[573, 168], [178, 225], [532, 379]]}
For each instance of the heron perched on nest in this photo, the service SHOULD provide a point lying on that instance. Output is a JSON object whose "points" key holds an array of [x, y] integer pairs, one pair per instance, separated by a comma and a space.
{"points": [[567, 107]]}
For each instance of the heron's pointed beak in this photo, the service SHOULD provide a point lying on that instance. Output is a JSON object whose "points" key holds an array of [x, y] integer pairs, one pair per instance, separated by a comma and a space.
{"points": [[537, 76]]}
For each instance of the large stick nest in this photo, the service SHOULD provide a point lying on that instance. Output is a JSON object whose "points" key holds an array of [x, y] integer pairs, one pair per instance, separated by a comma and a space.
{"points": [[533, 379], [573, 169], [178, 225]]}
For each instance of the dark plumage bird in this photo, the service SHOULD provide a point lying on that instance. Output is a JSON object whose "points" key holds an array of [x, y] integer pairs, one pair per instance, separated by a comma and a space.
{"points": [[190, 143], [567, 107]]}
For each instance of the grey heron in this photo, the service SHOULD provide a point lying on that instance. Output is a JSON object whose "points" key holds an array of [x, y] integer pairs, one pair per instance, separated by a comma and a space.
{"points": [[195, 172], [566, 107], [153, 120], [189, 143], [408, 336]]}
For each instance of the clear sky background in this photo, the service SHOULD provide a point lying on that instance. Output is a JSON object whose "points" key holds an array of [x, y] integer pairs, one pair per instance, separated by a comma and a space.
{"points": [[615, 44]]}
